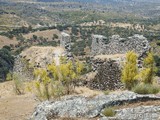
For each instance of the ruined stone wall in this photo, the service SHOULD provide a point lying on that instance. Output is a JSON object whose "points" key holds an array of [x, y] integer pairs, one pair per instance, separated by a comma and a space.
{"points": [[22, 69], [107, 77], [108, 58], [118, 45], [98, 44], [65, 41], [36, 57]]}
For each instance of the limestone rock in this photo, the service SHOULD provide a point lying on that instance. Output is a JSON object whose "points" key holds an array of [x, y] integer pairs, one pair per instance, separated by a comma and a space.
{"points": [[82, 107], [139, 113]]}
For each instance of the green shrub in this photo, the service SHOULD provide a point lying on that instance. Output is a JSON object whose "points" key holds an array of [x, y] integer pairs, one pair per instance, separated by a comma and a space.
{"points": [[146, 89], [109, 112], [9, 76]]}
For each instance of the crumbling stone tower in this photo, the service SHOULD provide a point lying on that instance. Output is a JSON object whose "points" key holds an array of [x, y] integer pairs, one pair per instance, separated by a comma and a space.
{"points": [[98, 44], [65, 41]]}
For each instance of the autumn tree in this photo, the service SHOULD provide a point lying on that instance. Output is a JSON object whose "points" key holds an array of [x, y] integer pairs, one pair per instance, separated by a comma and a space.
{"points": [[147, 73], [66, 72], [42, 85], [55, 78], [130, 70]]}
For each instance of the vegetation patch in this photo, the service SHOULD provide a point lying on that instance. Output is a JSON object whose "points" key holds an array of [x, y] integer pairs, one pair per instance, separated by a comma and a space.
{"points": [[109, 112], [146, 89], [18, 84]]}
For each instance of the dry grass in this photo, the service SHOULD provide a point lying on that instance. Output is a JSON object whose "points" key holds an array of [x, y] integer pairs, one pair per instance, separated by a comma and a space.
{"points": [[6, 41], [37, 54], [15, 107], [84, 91], [45, 34]]}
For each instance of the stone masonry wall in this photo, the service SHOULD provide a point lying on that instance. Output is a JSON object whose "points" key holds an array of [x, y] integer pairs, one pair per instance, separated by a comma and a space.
{"points": [[108, 66], [107, 77], [118, 45]]}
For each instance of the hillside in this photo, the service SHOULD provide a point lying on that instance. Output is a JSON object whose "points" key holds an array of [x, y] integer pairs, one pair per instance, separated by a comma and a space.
{"points": [[6, 41], [41, 14]]}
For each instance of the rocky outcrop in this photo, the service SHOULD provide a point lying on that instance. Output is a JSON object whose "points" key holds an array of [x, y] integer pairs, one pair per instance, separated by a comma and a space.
{"points": [[82, 107]]}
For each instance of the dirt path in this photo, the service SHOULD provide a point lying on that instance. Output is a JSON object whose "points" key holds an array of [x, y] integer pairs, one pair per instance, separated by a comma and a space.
{"points": [[14, 107]]}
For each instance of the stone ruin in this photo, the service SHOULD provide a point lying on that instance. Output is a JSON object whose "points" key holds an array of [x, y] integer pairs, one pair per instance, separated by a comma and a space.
{"points": [[98, 44], [118, 45], [108, 54], [39, 57], [65, 41], [107, 77], [36, 57]]}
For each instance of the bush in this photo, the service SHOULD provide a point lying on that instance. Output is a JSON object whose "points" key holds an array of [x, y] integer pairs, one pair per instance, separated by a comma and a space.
{"points": [[9, 76], [146, 89], [109, 112], [55, 36], [53, 89], [106, 92]]}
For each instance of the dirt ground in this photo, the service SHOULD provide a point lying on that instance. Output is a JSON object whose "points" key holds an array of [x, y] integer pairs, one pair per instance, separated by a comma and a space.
{"points": [[15, 107], [21, 107], [46, 34]]}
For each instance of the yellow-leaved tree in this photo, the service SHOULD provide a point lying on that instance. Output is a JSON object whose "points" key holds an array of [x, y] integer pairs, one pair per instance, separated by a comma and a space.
{"points": [[43, 83], [147, 73], [57, 79], [130, 70], [66, 72]]}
